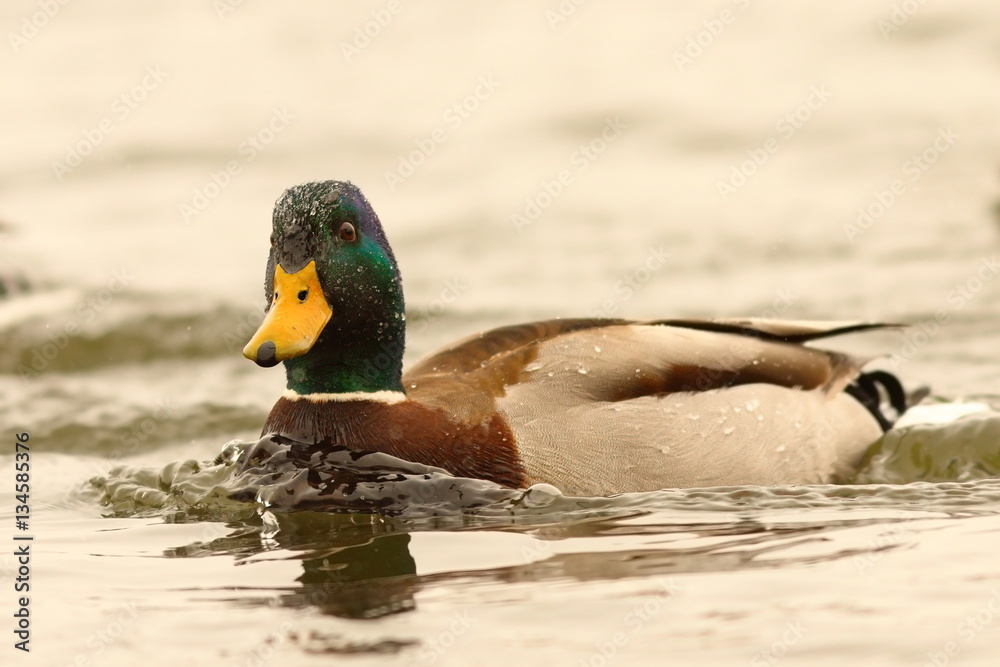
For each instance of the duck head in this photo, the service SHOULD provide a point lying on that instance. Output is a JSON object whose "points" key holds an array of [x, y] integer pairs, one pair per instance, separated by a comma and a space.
{"points": [[335, 314]]}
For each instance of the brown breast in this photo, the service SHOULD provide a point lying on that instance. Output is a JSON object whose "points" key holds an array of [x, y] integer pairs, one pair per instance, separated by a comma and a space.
{"points": [[407, 430]]}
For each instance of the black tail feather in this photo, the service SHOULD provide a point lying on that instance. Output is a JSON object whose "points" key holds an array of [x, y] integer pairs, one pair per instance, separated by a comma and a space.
{"points": [[874, 388]]}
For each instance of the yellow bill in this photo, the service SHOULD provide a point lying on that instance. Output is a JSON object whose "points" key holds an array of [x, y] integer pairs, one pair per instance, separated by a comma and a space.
{"points": [[298, 313]]}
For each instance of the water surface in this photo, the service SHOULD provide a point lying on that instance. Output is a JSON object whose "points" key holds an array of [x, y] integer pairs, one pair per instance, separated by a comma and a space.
{"points": [[798, 161]]}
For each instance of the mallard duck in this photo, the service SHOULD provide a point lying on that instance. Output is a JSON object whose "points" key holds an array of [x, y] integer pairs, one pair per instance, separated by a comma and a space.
{"points": [[591, 406]]}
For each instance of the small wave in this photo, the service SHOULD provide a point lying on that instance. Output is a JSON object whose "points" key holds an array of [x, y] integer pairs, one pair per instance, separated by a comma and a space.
{"points": [[961, 450], [70, 330], [120, 433], [282, 475]]}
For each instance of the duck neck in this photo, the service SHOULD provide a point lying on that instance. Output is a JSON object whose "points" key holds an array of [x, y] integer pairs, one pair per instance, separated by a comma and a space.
{"points": [[346, 362]]}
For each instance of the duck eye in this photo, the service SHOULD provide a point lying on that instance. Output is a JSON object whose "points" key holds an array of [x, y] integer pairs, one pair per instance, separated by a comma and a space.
{"points": [[347, 232], [303, 294]]}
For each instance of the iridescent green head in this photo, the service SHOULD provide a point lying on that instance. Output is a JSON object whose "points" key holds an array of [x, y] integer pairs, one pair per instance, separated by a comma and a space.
{"points": [[335, 297]]}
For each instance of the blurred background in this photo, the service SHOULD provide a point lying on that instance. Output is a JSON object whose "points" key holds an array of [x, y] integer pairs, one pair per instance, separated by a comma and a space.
{"points": [[633, 159], [120, 114]]}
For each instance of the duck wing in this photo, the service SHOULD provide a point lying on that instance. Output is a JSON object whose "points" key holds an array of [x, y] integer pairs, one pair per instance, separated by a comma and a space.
{"points": [[618, 359]]}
